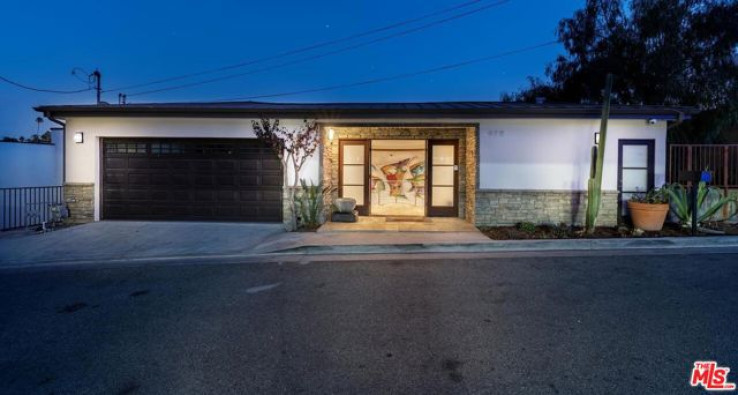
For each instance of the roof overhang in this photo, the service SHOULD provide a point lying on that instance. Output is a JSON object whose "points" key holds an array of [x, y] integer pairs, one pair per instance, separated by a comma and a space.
{"points": [[329, 111]]}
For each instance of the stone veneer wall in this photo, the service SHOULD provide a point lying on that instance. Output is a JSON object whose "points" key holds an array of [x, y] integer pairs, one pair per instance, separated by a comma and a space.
{"points": [[467, 160], [80, 200], [472, 172], [509, 207], [286, 207]]}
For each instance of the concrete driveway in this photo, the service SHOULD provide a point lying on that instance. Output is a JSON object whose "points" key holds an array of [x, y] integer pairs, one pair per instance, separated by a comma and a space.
{"points": [[134, 239]]}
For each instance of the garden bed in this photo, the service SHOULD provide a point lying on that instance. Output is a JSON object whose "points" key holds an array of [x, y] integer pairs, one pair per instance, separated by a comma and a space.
{"points": [[533, 232]]}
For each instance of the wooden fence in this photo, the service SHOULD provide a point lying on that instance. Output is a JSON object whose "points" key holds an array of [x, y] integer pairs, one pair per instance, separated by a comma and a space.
{"points": [[721, 159]]}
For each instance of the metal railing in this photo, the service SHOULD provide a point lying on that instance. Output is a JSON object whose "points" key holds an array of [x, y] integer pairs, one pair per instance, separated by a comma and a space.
{"points": [[28, 206], [721, 159]]}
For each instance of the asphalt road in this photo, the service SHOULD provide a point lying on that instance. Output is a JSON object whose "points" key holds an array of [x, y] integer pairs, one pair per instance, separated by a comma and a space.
{"points": [[537, 324]]}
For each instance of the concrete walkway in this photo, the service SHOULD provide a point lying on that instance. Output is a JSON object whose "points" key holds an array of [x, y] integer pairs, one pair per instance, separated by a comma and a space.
{"points": [[400, 224], [373, 240]]}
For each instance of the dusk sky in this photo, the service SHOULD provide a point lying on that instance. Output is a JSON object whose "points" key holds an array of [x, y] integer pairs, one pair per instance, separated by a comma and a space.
{"points": [[133, 42]]}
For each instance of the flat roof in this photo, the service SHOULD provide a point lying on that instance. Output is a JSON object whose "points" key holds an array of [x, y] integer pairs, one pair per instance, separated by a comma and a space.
{"points": [[464, 109]]}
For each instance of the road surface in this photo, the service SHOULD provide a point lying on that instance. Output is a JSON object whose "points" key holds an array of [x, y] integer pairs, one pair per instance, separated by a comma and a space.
{"points": [[540, 323]]}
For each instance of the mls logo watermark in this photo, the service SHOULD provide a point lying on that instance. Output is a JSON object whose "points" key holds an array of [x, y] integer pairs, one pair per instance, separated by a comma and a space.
{"points": [[711, 376]]}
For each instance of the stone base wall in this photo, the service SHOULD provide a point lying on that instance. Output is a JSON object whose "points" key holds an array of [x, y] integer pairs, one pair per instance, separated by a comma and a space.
{"points": [[509, 207], [80, 200]]}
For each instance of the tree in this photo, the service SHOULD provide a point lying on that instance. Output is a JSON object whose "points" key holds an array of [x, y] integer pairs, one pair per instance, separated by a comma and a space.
{"points": [[668, 52], [292, 146]]}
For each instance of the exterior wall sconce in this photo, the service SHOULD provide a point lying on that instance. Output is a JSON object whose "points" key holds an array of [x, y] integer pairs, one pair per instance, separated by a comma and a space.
{"points": [[79, 137], [597, 138], [331, 134]]}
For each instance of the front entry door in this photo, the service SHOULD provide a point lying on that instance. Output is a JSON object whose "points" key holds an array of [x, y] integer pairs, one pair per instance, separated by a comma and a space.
{"points": [[635, 169], [443, 171], [353, 172]]}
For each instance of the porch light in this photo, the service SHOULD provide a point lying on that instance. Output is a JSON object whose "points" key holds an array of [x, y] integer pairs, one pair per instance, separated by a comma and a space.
{"points": [[79, 137], [597, 138], [331, 134]]}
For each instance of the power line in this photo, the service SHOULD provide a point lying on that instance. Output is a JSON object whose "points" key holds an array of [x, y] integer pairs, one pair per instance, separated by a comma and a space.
{"points": [[322, 55], [30, 88], [303, 49], [325, 54], [299, 50], [399, 76], [76, 71]]}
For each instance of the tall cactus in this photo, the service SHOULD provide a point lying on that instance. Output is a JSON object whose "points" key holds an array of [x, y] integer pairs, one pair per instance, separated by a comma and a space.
{"points": [[594, 186]]}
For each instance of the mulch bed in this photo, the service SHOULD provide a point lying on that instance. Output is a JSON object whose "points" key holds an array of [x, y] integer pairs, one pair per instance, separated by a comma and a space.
{"points": [[521, 232], [307, 229]]}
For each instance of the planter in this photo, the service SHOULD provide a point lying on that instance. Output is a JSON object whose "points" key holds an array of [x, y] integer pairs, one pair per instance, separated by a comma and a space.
{"points": [[345, 205], [647, 216]]}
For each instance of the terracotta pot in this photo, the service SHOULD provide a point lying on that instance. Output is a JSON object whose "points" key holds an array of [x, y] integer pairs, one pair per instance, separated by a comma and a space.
{"points": [[647, 216]]}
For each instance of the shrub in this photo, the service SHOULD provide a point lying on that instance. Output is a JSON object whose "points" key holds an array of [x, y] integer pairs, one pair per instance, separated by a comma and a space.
{"points": [[561, 231], [654, 196], [710, 200], [527, 227], [309, 201]]}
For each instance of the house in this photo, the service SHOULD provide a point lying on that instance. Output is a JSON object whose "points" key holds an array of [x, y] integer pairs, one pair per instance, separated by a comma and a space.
{"points": [[489, 163]]}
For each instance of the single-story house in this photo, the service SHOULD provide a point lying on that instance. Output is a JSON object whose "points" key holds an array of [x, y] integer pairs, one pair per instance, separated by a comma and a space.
{"points": [[489, 163]]}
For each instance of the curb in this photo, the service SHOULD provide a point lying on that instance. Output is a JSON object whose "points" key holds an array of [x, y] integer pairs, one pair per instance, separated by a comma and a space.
{"points": [[518, 246], [14, 265], [558, 245]]}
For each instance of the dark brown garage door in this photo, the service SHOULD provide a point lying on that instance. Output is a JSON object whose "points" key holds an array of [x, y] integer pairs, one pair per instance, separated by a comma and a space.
{"points": [[198, 179]]}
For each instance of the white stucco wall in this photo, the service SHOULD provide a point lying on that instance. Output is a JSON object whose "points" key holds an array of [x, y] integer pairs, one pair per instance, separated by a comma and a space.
{"points": [[555, 154], [32, 165], [80, 157]]}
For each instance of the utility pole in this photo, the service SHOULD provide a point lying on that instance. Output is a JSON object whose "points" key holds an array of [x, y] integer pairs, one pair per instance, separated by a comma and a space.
{"points": [[98, 83]]}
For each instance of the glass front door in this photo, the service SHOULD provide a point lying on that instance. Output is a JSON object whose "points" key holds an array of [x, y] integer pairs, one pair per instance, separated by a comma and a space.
{"points": [[398, 178], [443, 174], [635, 169], [354, 172], [414, 178]]}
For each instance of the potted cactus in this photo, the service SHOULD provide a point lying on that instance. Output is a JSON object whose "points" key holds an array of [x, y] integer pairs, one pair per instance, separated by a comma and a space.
{"points": [[648, 211]]}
